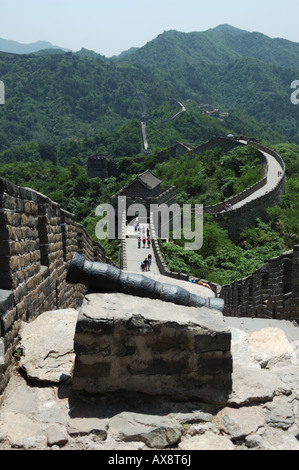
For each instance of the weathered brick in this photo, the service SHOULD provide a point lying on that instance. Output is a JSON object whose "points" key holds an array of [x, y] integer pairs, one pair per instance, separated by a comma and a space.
{"points": [[97, 369], [219, 342]]}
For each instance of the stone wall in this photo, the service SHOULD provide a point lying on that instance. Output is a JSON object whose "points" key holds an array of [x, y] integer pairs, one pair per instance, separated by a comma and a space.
{"points": [[163, 267], [270, 292], [133, 344], [37, 241], [101, 166], [225, 143], [238, 219]]}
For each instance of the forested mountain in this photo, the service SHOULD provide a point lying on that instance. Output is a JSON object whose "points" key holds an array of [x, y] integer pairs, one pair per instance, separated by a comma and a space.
{"points": [[53, 98], [60, 107], [220, 45]]}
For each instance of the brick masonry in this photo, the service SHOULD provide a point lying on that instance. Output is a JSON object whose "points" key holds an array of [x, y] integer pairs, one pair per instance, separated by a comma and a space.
{"points": [[270, 292], [150, 346], [37, 242]]}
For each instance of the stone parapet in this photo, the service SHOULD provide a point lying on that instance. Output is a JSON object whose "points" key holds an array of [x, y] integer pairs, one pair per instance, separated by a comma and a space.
{"points": [[37, 242], [127, 343], [270, 292]]}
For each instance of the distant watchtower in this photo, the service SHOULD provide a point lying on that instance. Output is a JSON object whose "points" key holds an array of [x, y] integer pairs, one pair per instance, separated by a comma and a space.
{"points": [[100, 166]]}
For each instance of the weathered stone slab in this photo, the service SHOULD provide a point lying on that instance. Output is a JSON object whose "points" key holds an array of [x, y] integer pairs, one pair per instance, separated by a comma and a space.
{"points": [[253, 385], [280, 413], [143, 345], [239, 423], [207, 441], [156, 431], [270, 344], [86, 426], [48, 343], [21, 431]]}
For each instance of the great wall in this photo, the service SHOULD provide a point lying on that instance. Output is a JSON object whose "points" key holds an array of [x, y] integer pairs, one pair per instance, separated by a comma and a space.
{"points": [[38, 240]]}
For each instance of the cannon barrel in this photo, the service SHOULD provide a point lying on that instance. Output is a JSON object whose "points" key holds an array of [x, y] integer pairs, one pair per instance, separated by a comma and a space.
{"points": [[104, 277]]}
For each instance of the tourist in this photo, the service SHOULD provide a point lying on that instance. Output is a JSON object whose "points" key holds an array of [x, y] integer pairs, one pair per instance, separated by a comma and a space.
{"points": [[146, 264], [148, 241], [149, 261], [204, 284], [139, 242], [142, 266], [143, 241]]}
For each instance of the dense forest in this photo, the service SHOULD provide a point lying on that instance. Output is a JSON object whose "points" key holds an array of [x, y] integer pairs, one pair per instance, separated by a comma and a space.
{"points": [[54, 98], [62, 107], [205, 179]]}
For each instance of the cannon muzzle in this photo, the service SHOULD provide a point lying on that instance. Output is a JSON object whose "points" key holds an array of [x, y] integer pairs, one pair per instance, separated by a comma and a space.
{"points": [[102, 277]]}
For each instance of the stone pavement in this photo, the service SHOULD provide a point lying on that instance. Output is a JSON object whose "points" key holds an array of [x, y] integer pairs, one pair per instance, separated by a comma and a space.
{"points": [[272, 179], [136, 255], [40, 410]]}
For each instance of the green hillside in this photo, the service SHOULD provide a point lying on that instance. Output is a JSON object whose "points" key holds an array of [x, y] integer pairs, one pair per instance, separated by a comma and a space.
{"points": [[56, 98], [220, 45], [61, 107]]}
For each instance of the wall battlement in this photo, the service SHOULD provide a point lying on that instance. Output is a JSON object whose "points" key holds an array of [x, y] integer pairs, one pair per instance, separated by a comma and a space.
{"points": [[272, 291], [37, 242], [250, 204]]}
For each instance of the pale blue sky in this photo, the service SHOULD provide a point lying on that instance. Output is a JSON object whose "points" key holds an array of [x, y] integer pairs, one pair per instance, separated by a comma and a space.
{"points": [[111, 26]]}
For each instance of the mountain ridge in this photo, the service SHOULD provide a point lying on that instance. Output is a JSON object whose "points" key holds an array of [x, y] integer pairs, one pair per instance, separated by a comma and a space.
{"points": [[224, 33], [50, 97], [15, 47], [219, 45]]}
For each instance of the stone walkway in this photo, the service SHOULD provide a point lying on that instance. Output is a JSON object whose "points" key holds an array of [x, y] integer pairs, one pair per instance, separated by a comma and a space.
{"points": [[272, 179], [40, 410], [136, 255]]}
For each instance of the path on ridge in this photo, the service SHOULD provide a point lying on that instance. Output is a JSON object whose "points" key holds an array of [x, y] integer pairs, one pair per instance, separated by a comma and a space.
{"points": [[136, 255], [272, 179]]}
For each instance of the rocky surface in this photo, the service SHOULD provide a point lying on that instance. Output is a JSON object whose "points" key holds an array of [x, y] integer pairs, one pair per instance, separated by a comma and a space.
{"points": [[40, 410]]}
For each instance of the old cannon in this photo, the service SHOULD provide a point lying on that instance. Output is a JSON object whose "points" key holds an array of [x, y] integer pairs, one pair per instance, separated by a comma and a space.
{"points": [[102, 277]]}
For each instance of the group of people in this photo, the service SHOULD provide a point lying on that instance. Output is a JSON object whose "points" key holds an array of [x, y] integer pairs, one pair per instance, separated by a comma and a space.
{"points": [[143, 237], [146, 263], [199, 282], [144, 240], [228, 206]]}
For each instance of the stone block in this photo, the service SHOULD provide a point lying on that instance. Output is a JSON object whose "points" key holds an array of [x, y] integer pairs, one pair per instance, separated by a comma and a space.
{"points": [[6, 281], [128, 343]]}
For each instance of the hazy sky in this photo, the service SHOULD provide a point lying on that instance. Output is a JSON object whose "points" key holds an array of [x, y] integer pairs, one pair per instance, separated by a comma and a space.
{"points": [[109, 27]]}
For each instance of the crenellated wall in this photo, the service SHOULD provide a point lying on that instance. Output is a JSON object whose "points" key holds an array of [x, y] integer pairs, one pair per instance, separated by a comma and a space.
{"points": [[37, 241], [250, 206], [270, 292]]}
